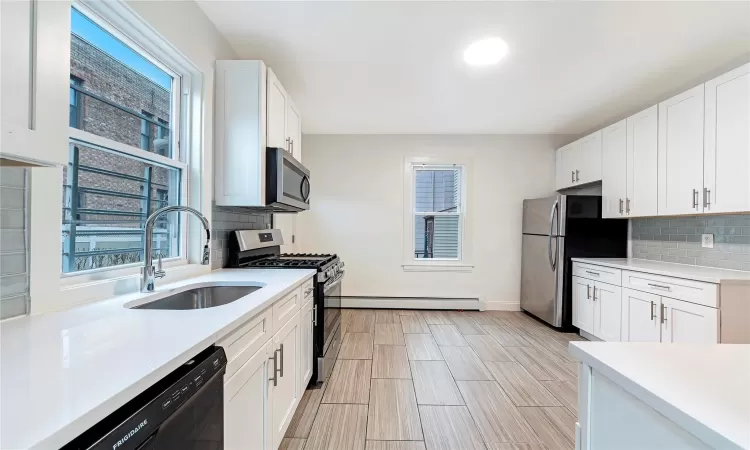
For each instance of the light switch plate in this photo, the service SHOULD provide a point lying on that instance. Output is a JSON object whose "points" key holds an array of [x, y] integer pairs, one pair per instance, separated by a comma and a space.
{"points": [[707, 241]]}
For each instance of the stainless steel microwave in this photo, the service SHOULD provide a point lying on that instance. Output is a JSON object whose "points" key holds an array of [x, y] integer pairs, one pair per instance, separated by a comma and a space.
{"points": [[287, 182]]}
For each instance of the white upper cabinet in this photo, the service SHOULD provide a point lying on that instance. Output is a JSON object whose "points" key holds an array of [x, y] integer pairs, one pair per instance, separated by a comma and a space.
{"points": [[34, 85], [614, 162], [277, 108], [253, 111], [294, 129], [579, 162], [590, 159], [642, 159], [567, 160], [727, 143], [680, 163]]}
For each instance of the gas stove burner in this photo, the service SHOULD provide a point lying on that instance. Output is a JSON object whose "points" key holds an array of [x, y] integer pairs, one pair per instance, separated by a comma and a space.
{"points": [[299, 260]]}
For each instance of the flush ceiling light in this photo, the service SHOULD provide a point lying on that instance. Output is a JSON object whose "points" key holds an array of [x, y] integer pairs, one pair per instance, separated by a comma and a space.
{"points": [[485, 52]]}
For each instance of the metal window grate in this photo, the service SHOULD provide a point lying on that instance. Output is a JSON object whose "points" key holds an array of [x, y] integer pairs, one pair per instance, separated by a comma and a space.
{"points": [[95, 232]]}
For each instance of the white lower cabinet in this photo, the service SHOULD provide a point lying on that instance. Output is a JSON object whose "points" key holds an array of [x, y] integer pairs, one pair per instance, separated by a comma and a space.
{"points": [[260, 398], [306, 343], [285, 390], [615, 313], [607, 311], [583, 304], [688, 323], [640, 322], [246, 418]]}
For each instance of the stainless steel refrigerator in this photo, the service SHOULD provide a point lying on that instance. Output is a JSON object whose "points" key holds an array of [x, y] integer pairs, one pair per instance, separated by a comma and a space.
{"points": [[556, 229]]}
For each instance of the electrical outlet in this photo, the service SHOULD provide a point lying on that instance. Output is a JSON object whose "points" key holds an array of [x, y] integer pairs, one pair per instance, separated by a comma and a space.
{"points": [[707, 241]]}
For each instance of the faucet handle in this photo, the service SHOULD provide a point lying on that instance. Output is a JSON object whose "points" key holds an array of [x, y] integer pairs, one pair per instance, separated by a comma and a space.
{"points": [[159, 272], [206, 255]]}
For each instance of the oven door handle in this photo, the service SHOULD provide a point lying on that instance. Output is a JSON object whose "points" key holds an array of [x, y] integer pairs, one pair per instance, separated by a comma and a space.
{"points": [[334, 284]]}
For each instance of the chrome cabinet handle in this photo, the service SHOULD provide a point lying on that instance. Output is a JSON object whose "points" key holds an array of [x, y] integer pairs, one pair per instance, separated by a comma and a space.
{"points": [[275, 379], [588, 291], [659, 286], [291, 146], [695, 198], [593, 273], [707, 198], [307, 291], [594, 293], [281, 364], [627, 206], [573, 176], [288, 145], [621, 206], [315, 315], [653, 315], [663, 313], [577, 178]]}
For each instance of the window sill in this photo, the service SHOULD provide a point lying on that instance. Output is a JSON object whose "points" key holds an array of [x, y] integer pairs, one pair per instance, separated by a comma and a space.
{"points": [[437, 267]]}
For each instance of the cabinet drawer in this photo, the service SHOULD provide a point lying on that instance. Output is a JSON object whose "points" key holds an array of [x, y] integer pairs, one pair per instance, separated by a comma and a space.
{"points": [[284, 309], [690, 291], [598, 273], [246, 340], [307, 290]]}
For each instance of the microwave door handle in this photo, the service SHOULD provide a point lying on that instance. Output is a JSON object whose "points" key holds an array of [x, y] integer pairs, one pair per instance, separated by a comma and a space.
{"points": [[305, 181]]}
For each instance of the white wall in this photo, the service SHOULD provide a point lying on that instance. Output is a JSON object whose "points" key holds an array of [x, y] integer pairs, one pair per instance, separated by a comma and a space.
{"points": [[357, 210]]}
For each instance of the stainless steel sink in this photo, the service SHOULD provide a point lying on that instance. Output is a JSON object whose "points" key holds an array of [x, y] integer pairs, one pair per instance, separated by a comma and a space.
{"points": [[200, 298]]}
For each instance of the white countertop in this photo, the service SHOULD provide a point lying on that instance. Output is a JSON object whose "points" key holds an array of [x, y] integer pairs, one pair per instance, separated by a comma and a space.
{"points": [[60, 373], [705, 389], [706, 274]]}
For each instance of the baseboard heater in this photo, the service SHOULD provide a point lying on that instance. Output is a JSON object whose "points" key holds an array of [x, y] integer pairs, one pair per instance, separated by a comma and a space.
{"points": [[466, 304]]}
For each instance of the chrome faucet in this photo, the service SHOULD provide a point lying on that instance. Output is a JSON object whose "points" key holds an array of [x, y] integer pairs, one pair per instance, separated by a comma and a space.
{"points": [[149, 272]]}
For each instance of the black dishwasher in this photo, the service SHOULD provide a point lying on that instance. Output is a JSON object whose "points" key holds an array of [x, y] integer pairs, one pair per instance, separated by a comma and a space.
{"points": [[184, 410]]}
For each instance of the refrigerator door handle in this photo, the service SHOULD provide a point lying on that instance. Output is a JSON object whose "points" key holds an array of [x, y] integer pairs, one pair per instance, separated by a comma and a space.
{"points": [[552, 262]]}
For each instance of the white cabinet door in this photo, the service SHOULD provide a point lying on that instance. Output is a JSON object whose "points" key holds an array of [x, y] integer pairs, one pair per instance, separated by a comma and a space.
{"points": [[306, 344], [688, 323], [583, 304], [294, 129], [246, 416], [35, 70], [567, 164], [276, 113], [614, 162], [642, 142], [607, 311], [285, 394], [727, 144], [680, 163], [590, 159], [640, 322]]}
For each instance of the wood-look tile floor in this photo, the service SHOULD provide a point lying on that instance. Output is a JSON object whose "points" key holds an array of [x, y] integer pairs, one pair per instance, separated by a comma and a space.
{"points": [[442, 380]]}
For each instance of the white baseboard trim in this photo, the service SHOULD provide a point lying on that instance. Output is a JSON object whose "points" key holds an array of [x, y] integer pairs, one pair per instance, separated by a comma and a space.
{"points": [[503, 306], [470, 304], [589, 336]]}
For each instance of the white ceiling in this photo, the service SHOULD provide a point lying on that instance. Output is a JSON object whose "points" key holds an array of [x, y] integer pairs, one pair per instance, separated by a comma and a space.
{"points": [[396, 67]]}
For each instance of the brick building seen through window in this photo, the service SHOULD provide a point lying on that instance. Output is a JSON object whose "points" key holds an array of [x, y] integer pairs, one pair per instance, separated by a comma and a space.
{"points": [[103, 221]]}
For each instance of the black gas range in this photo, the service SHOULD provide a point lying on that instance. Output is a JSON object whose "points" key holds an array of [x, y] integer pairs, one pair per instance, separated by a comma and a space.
{"points": [[261, 249]]}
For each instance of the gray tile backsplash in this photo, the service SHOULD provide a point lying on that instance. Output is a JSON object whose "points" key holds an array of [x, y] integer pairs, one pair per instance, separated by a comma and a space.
{"points": [[14, 257], [226, 219], [678, 240]]}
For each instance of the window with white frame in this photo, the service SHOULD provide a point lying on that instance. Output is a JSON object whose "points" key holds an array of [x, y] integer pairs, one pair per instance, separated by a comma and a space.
{"points": [[438, 212], [125, 160]]}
